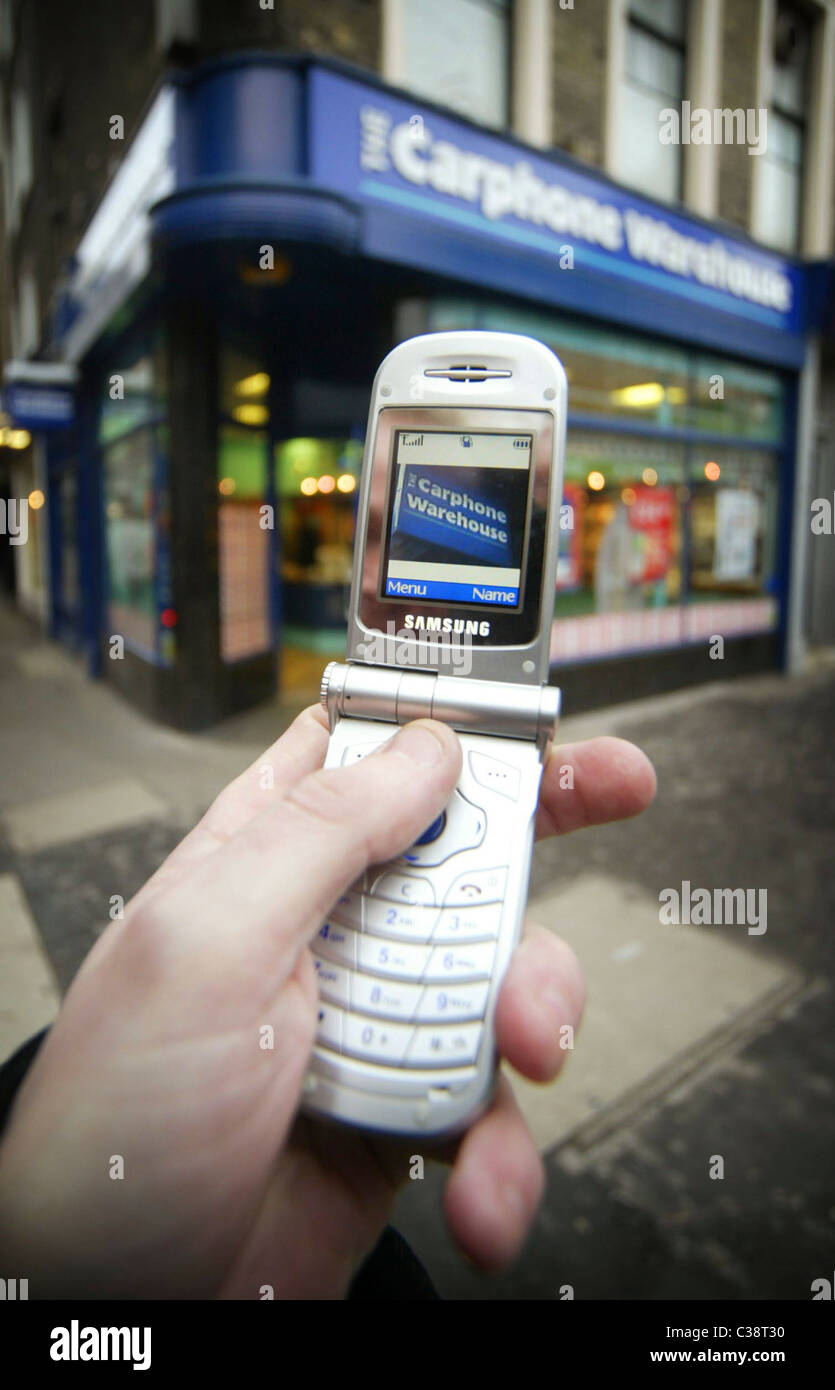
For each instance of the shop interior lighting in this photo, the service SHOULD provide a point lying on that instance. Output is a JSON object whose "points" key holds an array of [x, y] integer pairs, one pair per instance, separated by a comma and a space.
{"points": [[251, 414], [256, 385]]}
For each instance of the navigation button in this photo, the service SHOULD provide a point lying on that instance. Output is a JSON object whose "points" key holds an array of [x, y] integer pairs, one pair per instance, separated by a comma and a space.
{"points": [[432, 831], [463, 829]]}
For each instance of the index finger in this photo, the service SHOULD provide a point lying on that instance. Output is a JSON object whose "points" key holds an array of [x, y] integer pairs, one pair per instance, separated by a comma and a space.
{"points": [[590, 783]]}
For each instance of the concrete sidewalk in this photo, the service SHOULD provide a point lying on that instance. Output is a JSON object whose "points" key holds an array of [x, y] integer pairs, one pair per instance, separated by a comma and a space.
{"points": [[668, 1068]]}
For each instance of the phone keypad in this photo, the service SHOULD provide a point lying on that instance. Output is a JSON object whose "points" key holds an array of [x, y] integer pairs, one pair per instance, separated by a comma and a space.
{"points": [[408, 984], [404, 960]]}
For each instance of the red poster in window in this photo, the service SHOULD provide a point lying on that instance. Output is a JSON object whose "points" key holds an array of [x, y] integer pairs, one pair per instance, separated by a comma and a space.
{"points": [[651, 526]]}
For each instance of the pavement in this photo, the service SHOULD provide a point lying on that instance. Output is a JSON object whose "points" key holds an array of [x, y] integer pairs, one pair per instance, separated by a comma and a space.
{"points": [[689, 1144]]}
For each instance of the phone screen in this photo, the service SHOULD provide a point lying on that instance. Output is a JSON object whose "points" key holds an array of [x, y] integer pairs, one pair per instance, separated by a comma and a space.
{"points": [[458, 517]]}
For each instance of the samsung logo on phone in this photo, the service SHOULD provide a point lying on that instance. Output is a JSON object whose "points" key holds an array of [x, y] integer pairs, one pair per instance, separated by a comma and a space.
{"points": [[468, 627]]}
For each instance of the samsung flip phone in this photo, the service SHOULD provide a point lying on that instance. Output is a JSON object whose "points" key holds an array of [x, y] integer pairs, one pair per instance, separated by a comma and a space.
{"points": [[451, 608]]}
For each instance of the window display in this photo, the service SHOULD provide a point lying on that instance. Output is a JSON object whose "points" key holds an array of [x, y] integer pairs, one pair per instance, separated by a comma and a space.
{"points": [[128, 476], [315, 483]]}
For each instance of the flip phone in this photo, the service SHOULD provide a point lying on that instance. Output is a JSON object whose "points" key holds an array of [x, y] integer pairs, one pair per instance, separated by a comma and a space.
{"points": [[450, 617]]}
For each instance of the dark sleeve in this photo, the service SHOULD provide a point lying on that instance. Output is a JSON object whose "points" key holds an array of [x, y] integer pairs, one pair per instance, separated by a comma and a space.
{"points": [[392, 1270], [13, 1071]]}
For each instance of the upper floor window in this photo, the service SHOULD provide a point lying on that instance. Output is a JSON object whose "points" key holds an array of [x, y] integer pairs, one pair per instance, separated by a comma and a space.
{"points": [[653, 81], [455, 52], [778, 189]]}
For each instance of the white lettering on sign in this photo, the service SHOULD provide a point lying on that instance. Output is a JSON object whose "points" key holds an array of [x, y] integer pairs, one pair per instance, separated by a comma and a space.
{"points": [[501, 190]]}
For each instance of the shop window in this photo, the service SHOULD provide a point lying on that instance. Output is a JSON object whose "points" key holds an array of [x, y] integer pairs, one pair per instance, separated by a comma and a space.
{"points": [[623, 548], [316, 481], [779, 176], [733, 521], [612, 376], [129, 507], [456, 52], [129, 398], [133, 440], [653, 80], [244, 548], [729, 398]]}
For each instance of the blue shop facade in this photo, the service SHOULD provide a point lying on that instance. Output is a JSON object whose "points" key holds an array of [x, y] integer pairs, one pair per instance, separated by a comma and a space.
{"points": [[275, 227]]}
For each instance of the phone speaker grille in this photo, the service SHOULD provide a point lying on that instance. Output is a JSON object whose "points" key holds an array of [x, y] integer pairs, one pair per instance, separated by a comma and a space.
{"points": [[467, 371]]}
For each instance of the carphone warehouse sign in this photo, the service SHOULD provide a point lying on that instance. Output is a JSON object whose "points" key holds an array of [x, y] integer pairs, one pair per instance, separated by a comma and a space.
{"points": [[368, 143]]}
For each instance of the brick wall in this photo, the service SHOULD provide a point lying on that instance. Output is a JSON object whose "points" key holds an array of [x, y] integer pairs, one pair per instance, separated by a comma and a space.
{"points": [[348, 29], [579, 77], [739, 88], [85, 64]]}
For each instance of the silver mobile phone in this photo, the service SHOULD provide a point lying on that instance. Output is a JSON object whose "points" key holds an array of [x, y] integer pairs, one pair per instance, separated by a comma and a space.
{"points": [[450, 617]]}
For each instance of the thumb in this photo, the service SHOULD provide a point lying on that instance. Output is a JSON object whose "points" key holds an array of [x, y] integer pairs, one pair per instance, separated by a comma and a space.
{"points": [[250, 907]]}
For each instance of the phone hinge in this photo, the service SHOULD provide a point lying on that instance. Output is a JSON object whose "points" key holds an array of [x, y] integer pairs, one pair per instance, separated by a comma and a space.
{"points": [[501, 708]]}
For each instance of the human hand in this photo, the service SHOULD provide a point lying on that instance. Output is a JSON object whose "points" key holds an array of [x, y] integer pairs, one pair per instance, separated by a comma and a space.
{"points": [[156, 1057]]}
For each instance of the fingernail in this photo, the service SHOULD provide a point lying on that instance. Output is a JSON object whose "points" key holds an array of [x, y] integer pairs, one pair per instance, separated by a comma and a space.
{"points": [[419, 743]]}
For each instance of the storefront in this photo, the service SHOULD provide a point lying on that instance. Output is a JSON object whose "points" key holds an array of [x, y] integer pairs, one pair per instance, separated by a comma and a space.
{"points": [[282, 224]]}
